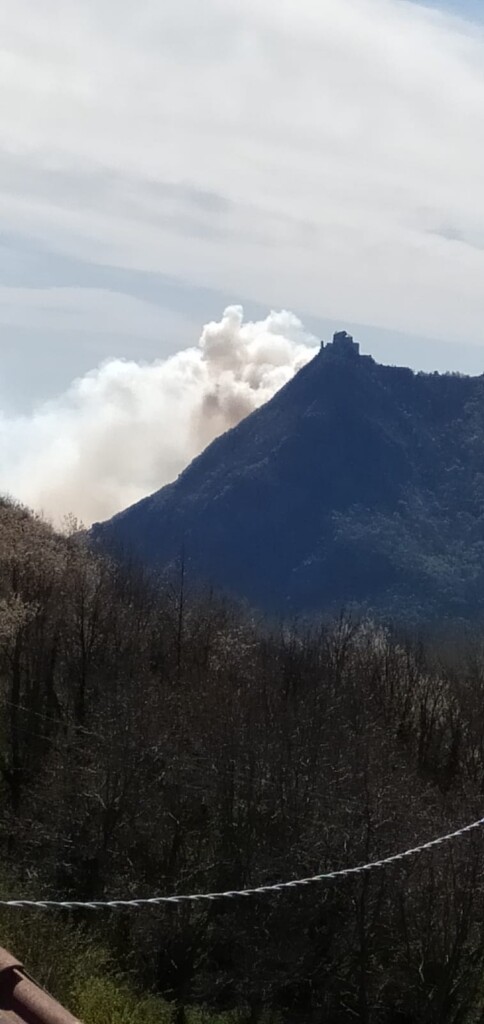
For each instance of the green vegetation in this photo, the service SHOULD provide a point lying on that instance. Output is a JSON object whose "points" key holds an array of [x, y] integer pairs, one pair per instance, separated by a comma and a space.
{"points": [[82, 975], [154, 741]]}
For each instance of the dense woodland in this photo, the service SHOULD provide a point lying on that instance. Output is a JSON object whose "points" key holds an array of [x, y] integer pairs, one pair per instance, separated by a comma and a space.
{"points": [[155, 740]]}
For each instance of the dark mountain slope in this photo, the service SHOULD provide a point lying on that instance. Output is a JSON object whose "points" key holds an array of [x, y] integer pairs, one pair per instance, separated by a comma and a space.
{"points": [[356, 483]]}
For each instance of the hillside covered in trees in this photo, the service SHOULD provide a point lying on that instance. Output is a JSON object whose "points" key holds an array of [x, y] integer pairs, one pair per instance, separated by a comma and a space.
{"points": [[156, 740], [356, 484]]}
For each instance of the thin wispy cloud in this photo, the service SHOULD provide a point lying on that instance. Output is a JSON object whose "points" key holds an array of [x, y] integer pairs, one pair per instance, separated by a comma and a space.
{"points": [[292, 153]]}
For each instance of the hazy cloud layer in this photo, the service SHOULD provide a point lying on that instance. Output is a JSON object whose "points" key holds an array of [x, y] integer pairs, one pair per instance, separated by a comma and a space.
{"points": [[126, 428], [328, 157]]}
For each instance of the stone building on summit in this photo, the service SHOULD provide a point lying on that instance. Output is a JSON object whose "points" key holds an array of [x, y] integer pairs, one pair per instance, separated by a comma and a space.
{"points": [[342, 345]]}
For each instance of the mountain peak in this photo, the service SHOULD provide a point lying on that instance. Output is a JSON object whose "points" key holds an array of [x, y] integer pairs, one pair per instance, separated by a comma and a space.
{"points": [[348, 486]]}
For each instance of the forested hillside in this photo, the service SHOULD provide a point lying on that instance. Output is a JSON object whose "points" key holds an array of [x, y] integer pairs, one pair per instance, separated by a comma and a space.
{"points": [[155, 740], [356, 484]]}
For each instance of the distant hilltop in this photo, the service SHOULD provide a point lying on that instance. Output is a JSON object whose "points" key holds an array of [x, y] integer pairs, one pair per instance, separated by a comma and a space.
{"points": [[357, 483]]}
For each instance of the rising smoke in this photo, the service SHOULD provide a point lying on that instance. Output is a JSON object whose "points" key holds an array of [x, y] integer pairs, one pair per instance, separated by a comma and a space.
{"points": [[126, 428]]}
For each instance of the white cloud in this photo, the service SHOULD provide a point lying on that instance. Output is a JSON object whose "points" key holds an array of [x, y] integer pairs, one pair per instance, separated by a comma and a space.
{"points": [[125, 429], [339, 148]]}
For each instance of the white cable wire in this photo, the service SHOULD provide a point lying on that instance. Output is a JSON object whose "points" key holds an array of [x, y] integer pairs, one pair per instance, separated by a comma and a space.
{"points": [[261, 890]]}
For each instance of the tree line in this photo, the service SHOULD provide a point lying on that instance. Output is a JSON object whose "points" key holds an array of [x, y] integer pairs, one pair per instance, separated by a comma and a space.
{"points": [[155, 739]]}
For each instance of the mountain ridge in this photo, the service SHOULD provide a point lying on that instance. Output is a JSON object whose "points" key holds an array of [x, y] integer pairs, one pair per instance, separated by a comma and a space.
{"points": [[357, 483]]}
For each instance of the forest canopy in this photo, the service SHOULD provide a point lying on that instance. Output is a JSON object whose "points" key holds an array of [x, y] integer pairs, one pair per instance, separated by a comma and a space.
{"points": [[155, 740]]}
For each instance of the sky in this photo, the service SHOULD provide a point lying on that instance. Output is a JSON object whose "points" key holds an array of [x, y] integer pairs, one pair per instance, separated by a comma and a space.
{"points": [[160, 162]]}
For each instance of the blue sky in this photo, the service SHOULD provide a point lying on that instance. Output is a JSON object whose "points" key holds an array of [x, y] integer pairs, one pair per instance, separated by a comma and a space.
{"points": [[159, 162], [471, 10]]}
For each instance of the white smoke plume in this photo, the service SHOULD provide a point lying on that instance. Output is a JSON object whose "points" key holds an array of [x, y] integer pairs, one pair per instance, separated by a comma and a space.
{"points": [[127, 428]]}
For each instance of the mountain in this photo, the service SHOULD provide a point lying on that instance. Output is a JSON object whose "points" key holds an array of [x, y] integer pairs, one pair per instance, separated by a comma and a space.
{"points": [[357, 483]]}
